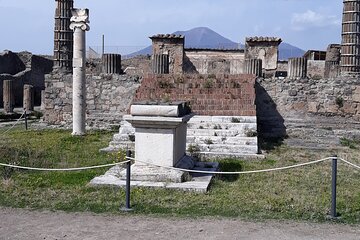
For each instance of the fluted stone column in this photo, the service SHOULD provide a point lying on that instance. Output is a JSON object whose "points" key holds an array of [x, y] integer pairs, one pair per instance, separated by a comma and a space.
{"points": [[63, 42], [79, 24], [350, 45], [253, 66], [9, 96], [297, 68], [28, 99], [160, 63], [111, 63]]}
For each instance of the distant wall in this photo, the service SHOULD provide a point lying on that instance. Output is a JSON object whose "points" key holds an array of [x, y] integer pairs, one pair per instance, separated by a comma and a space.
{"points": [[315, 69], [215, 61]]}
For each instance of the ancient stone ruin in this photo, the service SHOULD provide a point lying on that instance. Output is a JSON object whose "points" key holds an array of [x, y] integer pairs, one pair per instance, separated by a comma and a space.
{"points": [[237, 95]]}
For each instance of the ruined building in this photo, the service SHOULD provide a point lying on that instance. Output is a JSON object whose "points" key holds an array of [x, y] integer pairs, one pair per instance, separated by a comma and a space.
{"points": [[63, 35]]}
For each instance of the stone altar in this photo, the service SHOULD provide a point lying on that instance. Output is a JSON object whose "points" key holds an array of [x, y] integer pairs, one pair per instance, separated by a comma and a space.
{"points": [[160, 142]]}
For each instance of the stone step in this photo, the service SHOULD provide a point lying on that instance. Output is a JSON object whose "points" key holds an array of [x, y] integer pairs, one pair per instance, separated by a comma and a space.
{"points": [[222, 140], [222, 119], [227, 149], [221, 133], [221, 126]]}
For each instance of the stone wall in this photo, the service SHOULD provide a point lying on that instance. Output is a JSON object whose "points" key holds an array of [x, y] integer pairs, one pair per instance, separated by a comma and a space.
{"points": [[205, 61], [315, 69], [220, 95], [277, 101], [108, 98]]}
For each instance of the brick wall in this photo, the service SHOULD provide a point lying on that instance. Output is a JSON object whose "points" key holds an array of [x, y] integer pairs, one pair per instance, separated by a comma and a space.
{"points": [[220, 95]]}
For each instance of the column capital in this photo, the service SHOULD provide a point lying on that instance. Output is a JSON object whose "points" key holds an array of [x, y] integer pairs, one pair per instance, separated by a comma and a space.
{"points": [[80, 19]]}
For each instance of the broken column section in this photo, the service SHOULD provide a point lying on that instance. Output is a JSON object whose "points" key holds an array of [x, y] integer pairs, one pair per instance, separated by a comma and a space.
{"points": [[79, 24], [111, 63], [9, 96], [160, 63], [253, 66], [28, 104], [297, 68]]}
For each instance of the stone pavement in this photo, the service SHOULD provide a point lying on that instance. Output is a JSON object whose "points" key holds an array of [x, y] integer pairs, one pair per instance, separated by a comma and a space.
{"points": [[24, 224]]}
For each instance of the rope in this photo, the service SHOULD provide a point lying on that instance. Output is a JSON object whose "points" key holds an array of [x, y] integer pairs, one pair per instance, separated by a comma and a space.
{"points": [[243, 172], [349, 163], [62, 169], [17, 121]]}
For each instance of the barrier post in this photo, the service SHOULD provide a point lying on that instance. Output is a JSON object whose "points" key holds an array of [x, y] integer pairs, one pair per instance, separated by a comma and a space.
{"points": [[333, 213], [127, 207], [26, 120]]}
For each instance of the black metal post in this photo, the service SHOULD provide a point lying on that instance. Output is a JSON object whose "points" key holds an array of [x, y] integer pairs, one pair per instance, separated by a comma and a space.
{"points": [[128, 186], [26, 120], [333, 213]]}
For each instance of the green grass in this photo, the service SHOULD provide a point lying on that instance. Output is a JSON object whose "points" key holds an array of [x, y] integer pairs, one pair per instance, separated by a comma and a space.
{"points": [[300, 194]]}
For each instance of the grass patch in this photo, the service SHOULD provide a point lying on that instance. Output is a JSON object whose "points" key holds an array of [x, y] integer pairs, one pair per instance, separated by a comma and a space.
{"points": [[300, 194]]}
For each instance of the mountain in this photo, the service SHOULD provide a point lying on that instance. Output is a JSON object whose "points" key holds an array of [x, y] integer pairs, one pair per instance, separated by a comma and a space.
{"points": [[287, 51], [203, 37]]}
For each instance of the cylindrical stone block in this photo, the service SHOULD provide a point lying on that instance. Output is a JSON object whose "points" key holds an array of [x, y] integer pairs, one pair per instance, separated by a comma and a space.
{"points": [[253, 66], [28, 98], [111, 63], [160, 63], [9, 96], [350, 46], [79, 90], [297, 68]]}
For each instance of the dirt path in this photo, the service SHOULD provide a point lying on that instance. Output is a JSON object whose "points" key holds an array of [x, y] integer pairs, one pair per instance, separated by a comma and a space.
{"points": [[24, 224]]}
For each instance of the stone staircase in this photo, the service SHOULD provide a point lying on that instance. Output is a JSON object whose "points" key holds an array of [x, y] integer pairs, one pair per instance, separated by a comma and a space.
{"points": [[212, 136]]}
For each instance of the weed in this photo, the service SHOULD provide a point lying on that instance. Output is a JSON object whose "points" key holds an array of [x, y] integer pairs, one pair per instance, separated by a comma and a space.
{"points": [[201, 127], [348, 143], [208, 83], [217, 126], [339, 101], [250, 133], [235, 120], [194, 150], [37, 114], [208, 141]]}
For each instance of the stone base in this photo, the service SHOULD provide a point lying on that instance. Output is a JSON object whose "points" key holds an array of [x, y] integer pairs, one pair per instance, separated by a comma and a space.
{"points": [[151, 173], [194, 181]]}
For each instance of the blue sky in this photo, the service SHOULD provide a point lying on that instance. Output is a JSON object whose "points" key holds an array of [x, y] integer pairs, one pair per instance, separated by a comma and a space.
{"points": [[308, 24]]}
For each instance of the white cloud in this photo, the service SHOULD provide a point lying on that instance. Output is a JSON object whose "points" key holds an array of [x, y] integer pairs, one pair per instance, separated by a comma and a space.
{"points": [[301, 21]]}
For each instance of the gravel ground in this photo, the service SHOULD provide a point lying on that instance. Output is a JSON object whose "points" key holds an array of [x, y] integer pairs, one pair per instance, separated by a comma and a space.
{"points": [[25, 224]]}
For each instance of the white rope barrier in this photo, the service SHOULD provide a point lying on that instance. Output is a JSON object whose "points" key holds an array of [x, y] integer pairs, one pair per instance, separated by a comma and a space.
{"points": [[63, 169], [242, 172], [349, 163], [17, 121], [180, 169]]}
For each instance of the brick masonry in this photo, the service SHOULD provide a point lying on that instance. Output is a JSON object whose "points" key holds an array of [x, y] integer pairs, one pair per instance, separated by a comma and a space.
{"points": [[212, 95]]}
